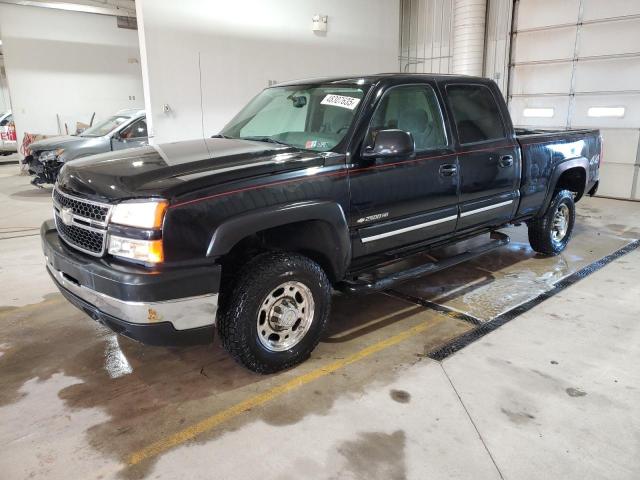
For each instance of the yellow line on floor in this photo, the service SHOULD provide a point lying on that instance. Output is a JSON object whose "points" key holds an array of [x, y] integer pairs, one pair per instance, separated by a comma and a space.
{"points": [[210, 423]]}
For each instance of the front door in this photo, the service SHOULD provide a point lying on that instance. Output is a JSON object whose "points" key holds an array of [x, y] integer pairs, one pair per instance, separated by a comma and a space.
{"points": [[135, 135], [398, 202], [489, 159]]}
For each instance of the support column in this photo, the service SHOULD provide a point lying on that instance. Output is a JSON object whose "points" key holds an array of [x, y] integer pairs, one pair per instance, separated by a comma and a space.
{"points": [[468, 36]]}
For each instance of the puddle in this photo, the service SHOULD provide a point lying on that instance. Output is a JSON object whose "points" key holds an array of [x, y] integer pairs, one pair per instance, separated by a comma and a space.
{"points": [[146, 393], [505, 278]]}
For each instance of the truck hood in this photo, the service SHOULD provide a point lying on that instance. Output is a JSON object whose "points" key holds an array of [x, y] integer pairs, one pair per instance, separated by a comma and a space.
{"points": [[172, 169], [54, 143]]}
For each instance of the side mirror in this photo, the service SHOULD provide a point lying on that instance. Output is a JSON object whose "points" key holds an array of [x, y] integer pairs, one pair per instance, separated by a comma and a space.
{"points": [[390, 143]]}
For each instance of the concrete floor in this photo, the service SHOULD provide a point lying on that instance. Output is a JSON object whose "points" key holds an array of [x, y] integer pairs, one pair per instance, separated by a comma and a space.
{"points": [[555, 393]]}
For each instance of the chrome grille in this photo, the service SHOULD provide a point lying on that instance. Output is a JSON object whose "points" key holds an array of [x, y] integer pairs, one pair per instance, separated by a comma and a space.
{"points": [[86, 240], [81, 223], [83, 208]]}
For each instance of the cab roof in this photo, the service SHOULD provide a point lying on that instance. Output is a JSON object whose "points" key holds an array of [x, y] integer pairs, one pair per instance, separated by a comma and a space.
{"points": [[131, 112], [377, 77]]}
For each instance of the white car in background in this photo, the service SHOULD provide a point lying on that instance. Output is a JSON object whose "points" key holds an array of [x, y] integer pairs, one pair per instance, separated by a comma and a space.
{"points": [[8, 140]]}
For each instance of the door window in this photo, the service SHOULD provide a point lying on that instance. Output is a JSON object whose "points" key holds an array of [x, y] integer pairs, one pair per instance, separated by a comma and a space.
{"points": [[414, 109], [475, 113], [136, 130]]}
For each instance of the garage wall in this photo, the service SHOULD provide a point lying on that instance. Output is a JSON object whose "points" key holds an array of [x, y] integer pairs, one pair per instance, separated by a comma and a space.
{"points": [[5, 103], [426, 40], [570, 56], [67, 63], [498, 42], [427, 33], [205, 59]]}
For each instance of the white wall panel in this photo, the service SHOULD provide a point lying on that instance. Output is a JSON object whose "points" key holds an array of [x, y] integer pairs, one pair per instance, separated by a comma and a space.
{"points": [[498, 41], [586, 34], [559, 104], [542, 13], [69, 64], [426, 43], [620, 145], [206, 59], [598, 9], [549, 78], [545, 45], [616, 180], [5, 101], [618, 74], [611, 38], [631, 117]]}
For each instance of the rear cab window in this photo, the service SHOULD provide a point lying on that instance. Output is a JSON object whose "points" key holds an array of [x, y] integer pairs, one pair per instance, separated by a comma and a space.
{"points": [[475, 112]]}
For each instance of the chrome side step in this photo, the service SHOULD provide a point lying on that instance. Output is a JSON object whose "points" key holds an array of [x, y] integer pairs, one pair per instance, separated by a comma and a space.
{"points": [[359, 286]]}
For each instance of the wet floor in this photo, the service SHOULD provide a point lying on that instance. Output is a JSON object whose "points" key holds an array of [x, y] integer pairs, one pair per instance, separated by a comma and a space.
{"points": [[146, 392], [76, 397], [507, 277]]}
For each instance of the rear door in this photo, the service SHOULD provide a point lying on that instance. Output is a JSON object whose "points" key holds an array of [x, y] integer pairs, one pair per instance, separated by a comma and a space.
{"points": [[488, 155], [400, 201]]}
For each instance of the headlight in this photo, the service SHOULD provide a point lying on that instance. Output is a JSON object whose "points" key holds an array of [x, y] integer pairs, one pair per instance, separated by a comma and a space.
{"points": [[148, 251], [141, 214], [50, 155]]}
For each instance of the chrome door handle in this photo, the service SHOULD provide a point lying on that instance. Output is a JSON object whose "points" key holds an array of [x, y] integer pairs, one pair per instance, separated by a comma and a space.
{"points": [[506, 161], [448, 170]]}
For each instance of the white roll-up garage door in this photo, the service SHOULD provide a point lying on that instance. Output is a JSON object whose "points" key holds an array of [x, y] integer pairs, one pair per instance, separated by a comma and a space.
{"points": [[576, 63]]}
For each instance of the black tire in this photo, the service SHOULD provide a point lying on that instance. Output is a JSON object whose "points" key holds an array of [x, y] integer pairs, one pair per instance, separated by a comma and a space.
{"points": [[239, 314], [542, 231]]}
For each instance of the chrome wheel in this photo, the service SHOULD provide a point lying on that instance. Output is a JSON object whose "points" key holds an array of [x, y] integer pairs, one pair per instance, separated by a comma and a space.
{"points": [[285, 316], [560, 223]]}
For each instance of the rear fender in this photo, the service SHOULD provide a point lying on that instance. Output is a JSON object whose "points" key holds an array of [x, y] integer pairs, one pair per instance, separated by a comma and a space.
{"points": [[580, 162]]}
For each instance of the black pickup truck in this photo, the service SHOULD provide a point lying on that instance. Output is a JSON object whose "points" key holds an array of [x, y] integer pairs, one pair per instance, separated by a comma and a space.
{"points": [[315, 184]]}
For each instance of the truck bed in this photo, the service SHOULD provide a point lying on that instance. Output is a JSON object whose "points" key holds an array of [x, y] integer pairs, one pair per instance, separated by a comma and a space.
{"points": [[542, 151]]}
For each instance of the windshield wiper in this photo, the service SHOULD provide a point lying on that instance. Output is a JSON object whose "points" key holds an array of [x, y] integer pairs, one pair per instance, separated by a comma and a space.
{"points": [[265, 139], [219, 135]]}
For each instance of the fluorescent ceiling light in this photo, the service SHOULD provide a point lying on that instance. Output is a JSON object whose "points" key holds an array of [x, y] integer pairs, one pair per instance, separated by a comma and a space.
{"points": [[606, 112], [538, 112]]}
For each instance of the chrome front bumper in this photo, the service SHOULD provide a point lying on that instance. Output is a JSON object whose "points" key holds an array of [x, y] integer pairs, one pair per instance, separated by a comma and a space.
{"points": [[182, 313], [171, 306]]}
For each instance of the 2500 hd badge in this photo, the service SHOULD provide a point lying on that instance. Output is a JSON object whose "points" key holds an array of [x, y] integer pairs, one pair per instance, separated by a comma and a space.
{"points": [[311, 187]]}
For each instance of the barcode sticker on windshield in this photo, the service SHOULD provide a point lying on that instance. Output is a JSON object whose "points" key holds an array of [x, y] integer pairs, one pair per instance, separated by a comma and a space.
{"points": [[341, 101]]}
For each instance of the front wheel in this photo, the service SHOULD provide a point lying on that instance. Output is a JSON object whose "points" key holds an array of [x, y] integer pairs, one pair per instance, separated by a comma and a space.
{"points": [[551, 233], [276, 312]]}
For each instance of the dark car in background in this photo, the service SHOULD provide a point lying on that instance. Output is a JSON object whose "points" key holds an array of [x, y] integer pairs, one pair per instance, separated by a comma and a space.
{"points": [[126, 129]]}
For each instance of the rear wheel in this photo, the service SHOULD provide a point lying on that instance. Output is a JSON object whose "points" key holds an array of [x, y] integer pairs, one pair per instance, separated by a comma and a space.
{"points": [[551, 233], [276, 312]]}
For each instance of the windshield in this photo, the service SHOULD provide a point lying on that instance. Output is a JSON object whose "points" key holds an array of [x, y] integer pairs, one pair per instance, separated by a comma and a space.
{"points": [[104, 127], [310, 117]]}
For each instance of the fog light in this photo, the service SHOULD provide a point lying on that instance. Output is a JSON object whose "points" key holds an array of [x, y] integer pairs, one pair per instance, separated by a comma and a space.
{"points": [[149, 251]]}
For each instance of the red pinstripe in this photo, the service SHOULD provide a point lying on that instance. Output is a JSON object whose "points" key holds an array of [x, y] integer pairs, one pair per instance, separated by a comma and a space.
{"points": [[333, 174]]}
